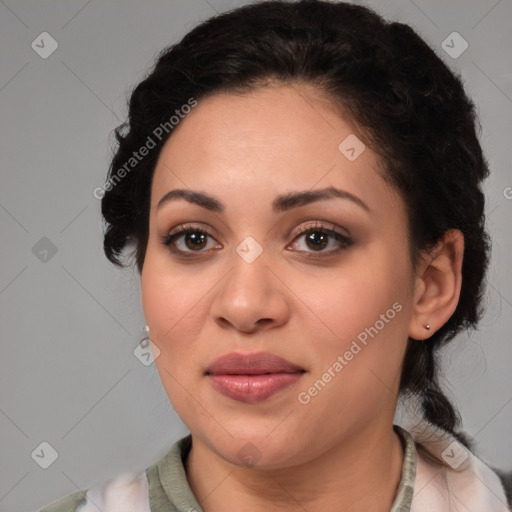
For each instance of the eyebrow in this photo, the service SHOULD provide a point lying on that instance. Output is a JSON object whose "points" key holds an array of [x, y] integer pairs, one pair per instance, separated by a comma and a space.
{"points": [[280, 204]]}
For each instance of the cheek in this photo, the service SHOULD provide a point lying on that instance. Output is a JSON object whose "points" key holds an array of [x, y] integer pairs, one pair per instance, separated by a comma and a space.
{"points": [[172, 309], [353, 296], [364, 317], [171, 297]]}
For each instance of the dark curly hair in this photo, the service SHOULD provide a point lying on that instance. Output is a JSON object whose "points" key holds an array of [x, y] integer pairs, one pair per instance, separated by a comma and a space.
{"points": [[412, 110]]}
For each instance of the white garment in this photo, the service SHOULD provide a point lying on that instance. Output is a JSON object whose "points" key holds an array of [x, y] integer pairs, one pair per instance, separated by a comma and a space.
{"points": [[439, 488], [449, 478], [124, 493]]}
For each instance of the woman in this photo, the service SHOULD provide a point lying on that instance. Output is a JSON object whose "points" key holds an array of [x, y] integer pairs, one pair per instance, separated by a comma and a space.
{"points": [[302, 185]]}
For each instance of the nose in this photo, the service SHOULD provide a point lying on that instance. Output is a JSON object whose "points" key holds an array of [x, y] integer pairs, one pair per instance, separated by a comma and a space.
{"points": [[250, 298]]}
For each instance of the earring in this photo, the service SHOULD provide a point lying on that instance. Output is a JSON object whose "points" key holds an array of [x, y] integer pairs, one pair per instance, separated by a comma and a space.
{"points": [[427, 327], [145, 340]]}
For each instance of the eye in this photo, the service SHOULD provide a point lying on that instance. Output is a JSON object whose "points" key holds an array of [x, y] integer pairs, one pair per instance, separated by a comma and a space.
{"points": [[189, 239], [316, 238]]}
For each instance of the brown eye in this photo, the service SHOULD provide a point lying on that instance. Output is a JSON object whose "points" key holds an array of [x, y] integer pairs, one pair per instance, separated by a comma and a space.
{"points": [[189, 240], [194, 240], [317, 238]]}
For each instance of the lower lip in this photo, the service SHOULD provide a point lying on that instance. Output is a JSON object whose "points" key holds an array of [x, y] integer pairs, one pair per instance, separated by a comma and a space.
{"points": [[252, 388]]}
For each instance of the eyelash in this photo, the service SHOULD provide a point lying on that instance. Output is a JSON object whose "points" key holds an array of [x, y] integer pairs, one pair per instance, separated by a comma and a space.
{"points": [[344, 241]]}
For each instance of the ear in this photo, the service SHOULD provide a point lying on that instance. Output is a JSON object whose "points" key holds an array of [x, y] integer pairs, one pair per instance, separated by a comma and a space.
{"points": [[437, 285]]}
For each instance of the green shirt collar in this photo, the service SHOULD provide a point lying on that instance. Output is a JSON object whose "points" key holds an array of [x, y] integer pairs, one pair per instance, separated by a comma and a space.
{"points": [[169, 490]]}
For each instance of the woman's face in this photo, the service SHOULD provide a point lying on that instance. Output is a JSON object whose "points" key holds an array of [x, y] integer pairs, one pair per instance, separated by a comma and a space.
{"points": [[305, 295]]}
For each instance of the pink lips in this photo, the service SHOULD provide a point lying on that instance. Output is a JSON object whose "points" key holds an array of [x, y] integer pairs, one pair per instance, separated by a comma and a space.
{"points": [[252, 378]]}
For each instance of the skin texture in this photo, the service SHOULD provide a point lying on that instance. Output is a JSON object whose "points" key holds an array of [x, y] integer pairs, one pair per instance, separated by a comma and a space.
{"points": [[338, 451]]}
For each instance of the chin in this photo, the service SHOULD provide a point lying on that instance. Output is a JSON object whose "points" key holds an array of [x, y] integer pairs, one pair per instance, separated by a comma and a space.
{"points": [[256, 448]]}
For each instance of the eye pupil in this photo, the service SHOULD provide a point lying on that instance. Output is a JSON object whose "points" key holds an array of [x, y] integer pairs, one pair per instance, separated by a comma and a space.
{"points": [[318, 239], [198, 240]]}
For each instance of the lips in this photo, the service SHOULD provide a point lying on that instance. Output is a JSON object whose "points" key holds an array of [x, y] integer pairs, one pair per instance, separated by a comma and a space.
{"points": [[252, 378], [251, 364]]}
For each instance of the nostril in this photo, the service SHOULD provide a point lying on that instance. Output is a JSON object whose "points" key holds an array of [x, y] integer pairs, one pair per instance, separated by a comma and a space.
{"points": [[264, 320]]}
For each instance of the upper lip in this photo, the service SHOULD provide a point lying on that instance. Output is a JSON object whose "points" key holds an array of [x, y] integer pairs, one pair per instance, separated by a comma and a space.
{"points": [[251, 364]]}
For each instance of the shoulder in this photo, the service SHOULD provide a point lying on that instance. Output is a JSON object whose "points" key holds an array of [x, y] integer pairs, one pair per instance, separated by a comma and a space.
{"points": [[161, 485], [128, 492], [67, 504], [506, 479], [450, 477]]}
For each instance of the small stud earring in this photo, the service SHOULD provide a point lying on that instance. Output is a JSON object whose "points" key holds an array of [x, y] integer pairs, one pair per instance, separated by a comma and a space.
{"points": [[427, 327], [144, 342]]}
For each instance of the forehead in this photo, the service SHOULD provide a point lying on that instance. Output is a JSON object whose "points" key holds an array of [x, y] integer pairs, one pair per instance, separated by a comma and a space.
{"points": [[268, 141]]}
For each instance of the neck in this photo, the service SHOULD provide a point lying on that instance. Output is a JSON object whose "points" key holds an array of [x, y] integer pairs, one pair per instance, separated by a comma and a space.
{"points": [[360, 474]]}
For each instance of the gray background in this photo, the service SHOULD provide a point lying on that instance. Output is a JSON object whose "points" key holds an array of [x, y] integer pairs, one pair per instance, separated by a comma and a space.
{"points": [[70, 321]]}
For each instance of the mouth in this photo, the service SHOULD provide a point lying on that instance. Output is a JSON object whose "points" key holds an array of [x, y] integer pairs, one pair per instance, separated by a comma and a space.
{"points": [[252, 378]]}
